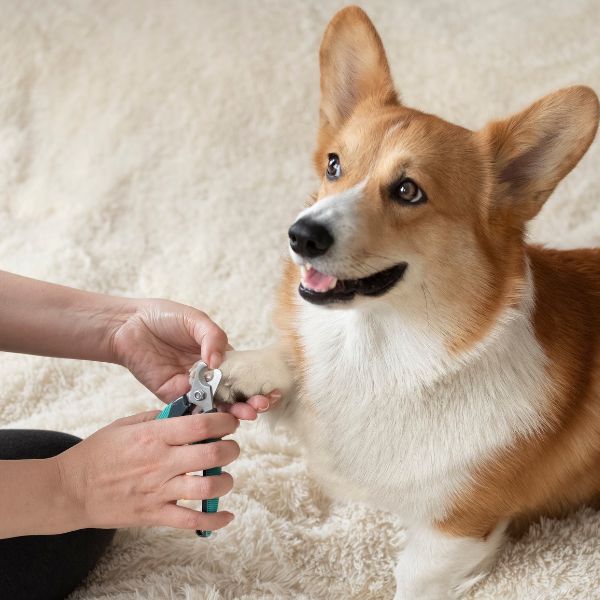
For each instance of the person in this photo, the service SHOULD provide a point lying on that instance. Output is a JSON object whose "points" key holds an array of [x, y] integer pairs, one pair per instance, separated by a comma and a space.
{"points": [[62, 498]]}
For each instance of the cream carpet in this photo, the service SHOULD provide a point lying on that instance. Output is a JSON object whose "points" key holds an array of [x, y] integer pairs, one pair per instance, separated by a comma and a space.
{"points": [[162, 148]]}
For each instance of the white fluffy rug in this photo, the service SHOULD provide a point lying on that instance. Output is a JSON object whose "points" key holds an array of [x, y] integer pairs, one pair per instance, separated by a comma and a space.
{"points": [[162, 149]]}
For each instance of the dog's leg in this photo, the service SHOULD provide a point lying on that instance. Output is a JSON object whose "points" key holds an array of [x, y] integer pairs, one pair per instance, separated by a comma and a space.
{"points": [[438, 566], [250, 372]]}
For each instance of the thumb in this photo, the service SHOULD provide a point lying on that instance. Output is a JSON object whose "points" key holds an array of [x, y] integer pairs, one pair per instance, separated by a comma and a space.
{"points": [[210, 337]]}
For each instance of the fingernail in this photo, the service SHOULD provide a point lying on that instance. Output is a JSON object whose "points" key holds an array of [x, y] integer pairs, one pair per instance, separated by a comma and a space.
{"points": [[275, 396], [215, 359], [231, 517], [263, 408]]}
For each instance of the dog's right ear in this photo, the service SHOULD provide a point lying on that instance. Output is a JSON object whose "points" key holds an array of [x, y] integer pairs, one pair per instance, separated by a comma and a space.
{"points": [[353, 68], [534, 149]]}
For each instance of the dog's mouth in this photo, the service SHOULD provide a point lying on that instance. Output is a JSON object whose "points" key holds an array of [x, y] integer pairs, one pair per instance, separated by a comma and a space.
{"points": [[319, 288]]}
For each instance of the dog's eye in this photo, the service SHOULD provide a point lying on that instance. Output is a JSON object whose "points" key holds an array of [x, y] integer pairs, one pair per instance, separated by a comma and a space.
{"points": [[407, 191], [334, 169]]}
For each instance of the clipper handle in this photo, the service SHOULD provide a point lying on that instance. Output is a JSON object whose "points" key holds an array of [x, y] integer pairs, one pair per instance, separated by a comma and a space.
{"points": [[211, 505], [178, 408]]}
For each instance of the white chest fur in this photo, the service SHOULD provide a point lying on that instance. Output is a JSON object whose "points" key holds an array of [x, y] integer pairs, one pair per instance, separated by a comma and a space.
{"points": [[390, 418]]}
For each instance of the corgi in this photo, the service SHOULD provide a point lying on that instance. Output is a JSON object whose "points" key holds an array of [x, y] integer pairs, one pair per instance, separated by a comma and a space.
{"points": [[432, 362]]}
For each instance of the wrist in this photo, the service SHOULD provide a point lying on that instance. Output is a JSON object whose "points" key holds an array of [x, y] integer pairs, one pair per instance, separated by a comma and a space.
{"points": [[69, 493], [109, 319], [53, 320], [67, 505], [34, 500]]}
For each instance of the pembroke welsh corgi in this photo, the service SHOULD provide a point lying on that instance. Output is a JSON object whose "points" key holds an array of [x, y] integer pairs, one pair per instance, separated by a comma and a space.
{"points": [[433, 363]]}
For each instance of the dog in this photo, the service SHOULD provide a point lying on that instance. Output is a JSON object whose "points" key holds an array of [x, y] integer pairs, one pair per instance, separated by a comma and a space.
{"points": [[433, 363]]}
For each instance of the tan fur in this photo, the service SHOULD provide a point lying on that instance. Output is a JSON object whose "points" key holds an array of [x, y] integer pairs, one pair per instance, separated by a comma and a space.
{"points": [[286, 313]]}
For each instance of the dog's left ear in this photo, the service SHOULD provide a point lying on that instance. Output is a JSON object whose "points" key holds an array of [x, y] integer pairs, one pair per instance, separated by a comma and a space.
{"points": [[353, 67], [534, 149]]}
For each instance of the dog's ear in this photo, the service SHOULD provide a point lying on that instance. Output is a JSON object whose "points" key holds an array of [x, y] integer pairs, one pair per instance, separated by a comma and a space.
{"points": [[353, 67], [534, 149]]}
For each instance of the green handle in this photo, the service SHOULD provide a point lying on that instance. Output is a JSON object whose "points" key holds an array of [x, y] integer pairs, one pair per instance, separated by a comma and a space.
{"points": [[179, 408], [211, 505], [164, 413]]}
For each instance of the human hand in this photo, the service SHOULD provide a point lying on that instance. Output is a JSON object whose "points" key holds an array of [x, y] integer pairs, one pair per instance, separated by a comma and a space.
{"points": [[132, 472], [160, 340]]}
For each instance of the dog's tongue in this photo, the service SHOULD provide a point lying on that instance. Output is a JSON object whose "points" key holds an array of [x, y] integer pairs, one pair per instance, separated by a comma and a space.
{"points": [[316, 281]]}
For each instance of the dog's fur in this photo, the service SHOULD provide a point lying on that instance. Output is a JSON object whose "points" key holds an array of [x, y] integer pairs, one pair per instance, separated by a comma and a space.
{"points": [[466, 397]]}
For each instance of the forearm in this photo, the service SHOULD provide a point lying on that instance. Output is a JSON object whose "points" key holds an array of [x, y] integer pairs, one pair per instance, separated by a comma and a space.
{"points": [[53, 320], [33, 502]]}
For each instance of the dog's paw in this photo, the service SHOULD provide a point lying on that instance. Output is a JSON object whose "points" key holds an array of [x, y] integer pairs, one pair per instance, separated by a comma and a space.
{"points": [[249, 373]]}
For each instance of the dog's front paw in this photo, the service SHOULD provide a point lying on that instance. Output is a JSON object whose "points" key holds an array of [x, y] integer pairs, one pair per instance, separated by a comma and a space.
{"points": [[249, 373]]}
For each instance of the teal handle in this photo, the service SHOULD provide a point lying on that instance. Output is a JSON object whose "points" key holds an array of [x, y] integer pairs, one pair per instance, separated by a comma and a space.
{"points": [[164, 413], [210, 505], [178, 408]]}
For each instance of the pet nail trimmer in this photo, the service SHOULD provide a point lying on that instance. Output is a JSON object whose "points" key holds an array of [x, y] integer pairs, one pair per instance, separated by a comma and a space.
{"points": [[200, 399]]}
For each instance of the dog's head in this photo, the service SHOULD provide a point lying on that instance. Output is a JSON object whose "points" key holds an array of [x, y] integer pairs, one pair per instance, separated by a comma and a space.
{"points": [[411, 205]]}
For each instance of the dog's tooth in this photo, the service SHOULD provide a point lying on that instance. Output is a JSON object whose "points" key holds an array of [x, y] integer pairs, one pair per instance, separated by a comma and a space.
{"points": [[332, 284], [308, 266]]}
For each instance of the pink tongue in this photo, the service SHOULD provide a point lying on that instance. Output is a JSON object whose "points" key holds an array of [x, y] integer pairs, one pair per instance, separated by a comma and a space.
{"points": [[317, 281]]}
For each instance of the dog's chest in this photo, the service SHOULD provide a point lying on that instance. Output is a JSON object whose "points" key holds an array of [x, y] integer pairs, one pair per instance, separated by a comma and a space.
{"points": [[389, 419]]}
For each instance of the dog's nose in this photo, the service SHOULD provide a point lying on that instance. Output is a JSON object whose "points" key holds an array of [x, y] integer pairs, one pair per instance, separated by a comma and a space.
{"points": [[309, 238]]}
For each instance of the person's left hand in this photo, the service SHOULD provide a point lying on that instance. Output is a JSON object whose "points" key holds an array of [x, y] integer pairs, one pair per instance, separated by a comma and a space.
{"points": [[161, 340]]}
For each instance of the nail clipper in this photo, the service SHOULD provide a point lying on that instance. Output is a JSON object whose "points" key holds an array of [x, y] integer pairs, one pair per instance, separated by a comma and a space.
{"points": [[200, 399]]}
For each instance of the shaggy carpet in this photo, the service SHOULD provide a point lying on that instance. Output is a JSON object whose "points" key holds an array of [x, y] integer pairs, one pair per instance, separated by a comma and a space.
{"points": [[162, 149]]}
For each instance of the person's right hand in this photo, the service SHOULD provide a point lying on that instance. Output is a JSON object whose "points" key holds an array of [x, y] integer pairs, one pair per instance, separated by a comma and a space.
{"points": [[132, 472]]}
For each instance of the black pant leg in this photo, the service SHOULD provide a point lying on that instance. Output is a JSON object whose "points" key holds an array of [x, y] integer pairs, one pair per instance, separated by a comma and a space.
{"points": [[45, 567]]}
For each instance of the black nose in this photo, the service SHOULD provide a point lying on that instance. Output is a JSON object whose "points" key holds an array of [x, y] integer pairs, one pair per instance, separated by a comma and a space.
{"points": [[308, 238]]}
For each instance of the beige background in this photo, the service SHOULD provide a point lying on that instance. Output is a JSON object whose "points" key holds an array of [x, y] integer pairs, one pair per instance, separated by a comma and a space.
{"points": [[162, 148]]}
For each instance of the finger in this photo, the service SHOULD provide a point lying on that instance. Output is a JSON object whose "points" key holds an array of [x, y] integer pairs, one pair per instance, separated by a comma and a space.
{"points": [[176, 386], [190, 487], [149, 415], [196, 428], [247, 411], [263, 403], [259, 403], [240, 410], [211, 339], [180, 517], [198, 457]]}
